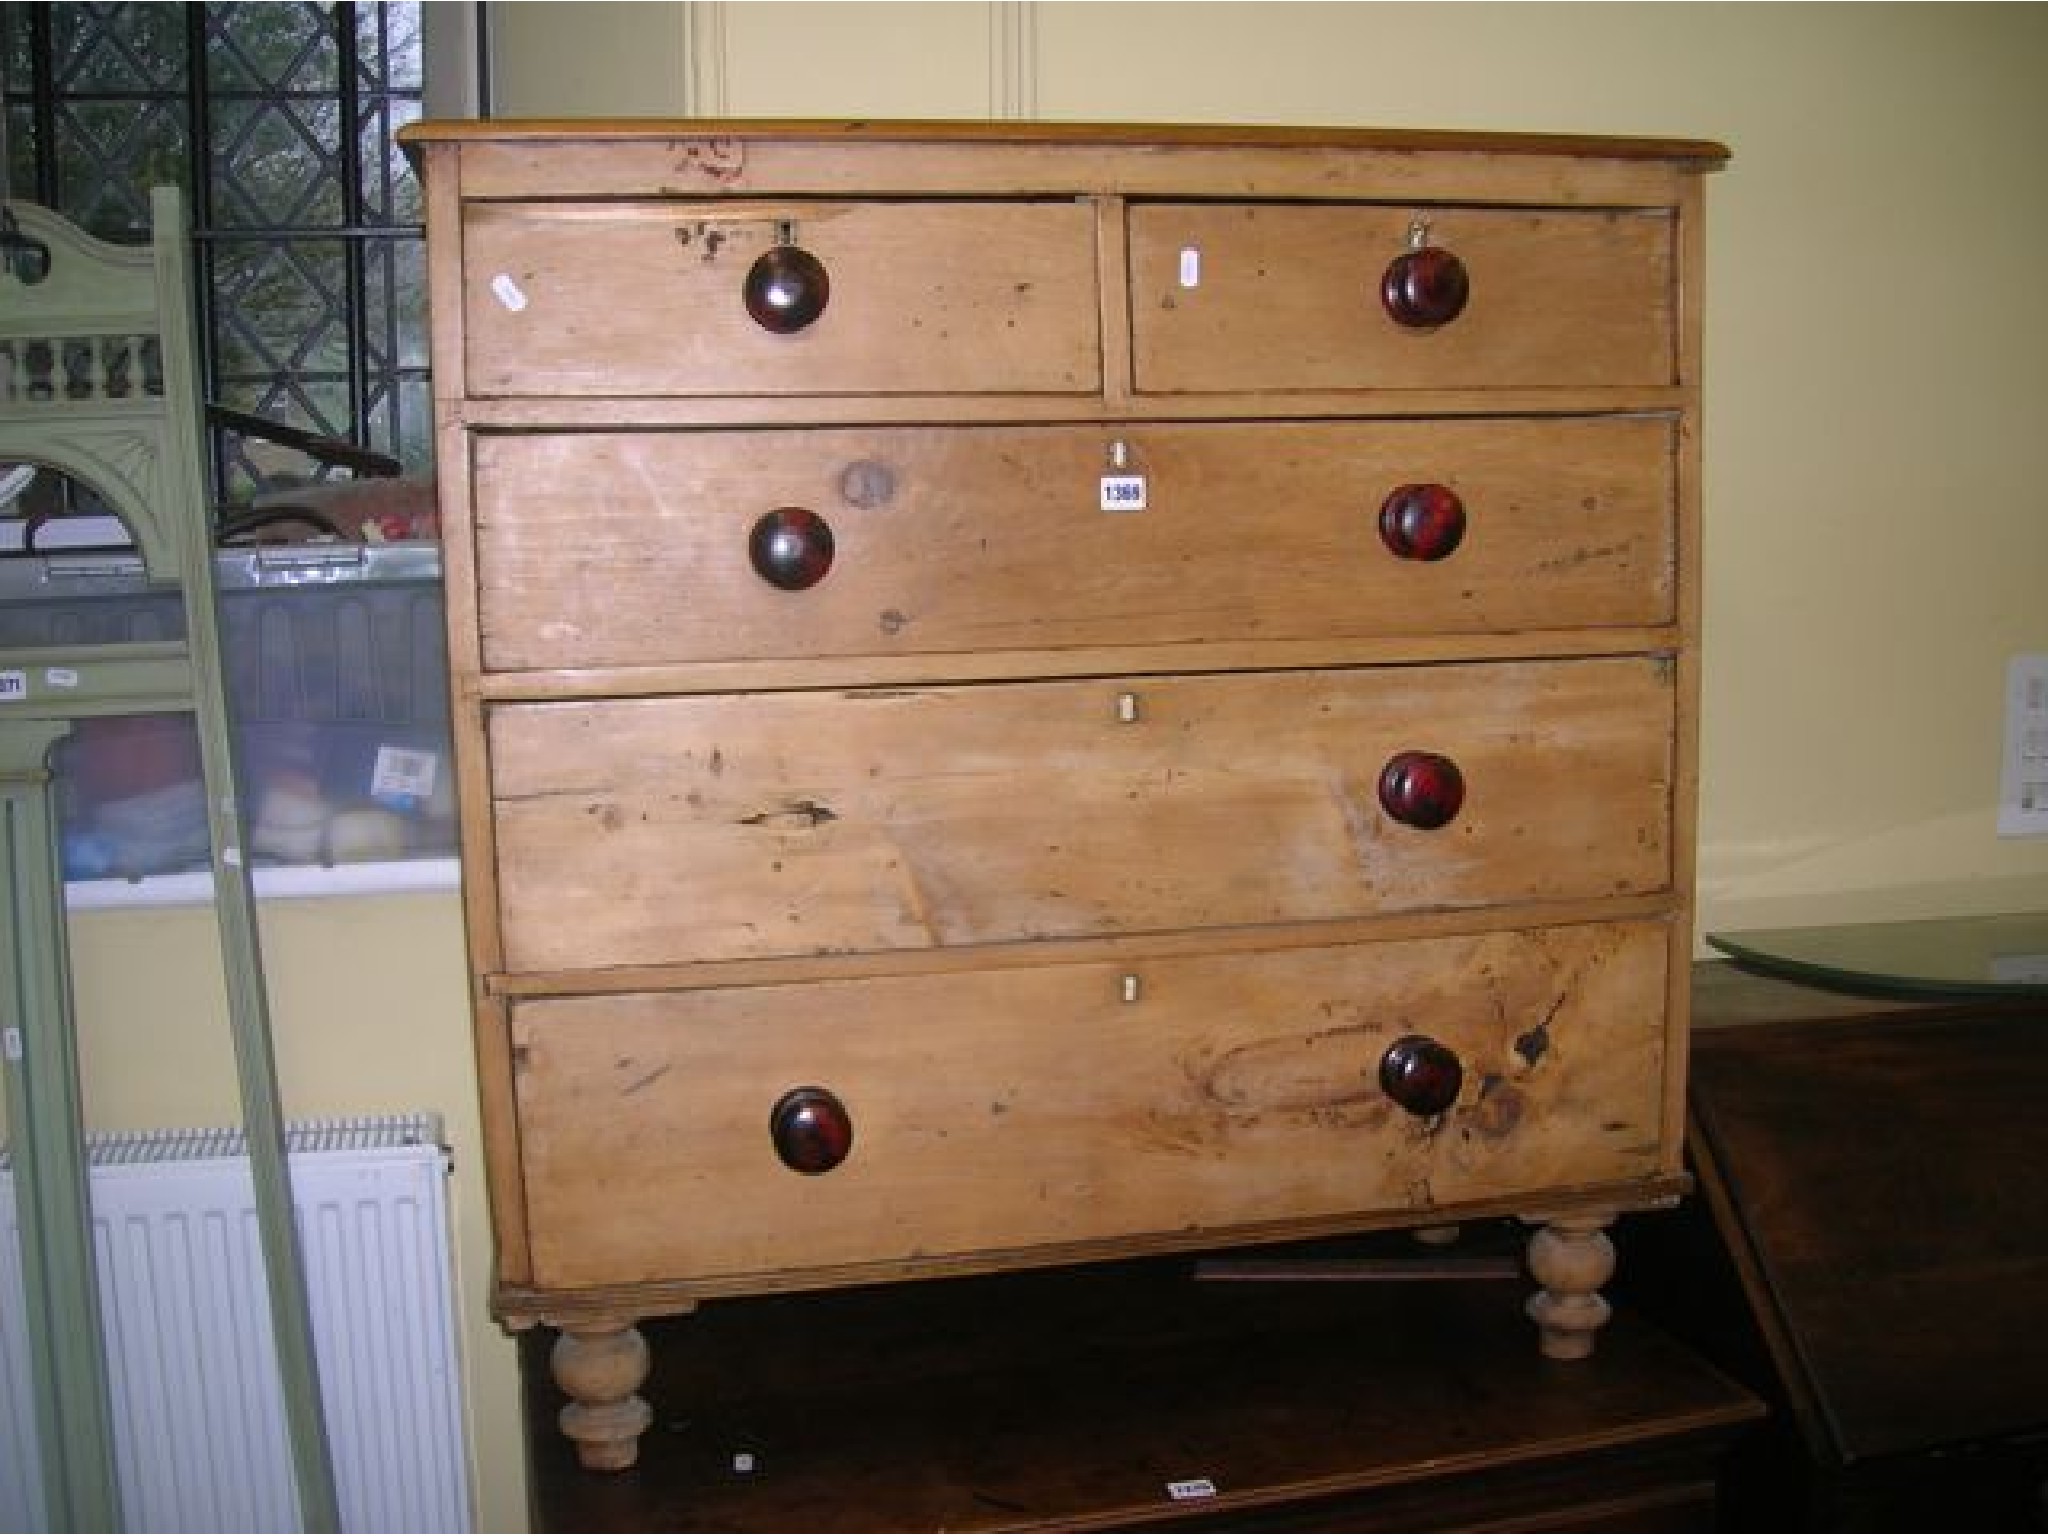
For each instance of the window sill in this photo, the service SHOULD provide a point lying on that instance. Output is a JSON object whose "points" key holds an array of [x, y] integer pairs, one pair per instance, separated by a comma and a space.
{"points": [[280, 882]]}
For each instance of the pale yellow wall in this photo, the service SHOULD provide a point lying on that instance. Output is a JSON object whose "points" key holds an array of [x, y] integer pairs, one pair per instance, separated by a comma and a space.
{"points": [[602, 59], [1877, 444], [369, 1000], [849, 60]]}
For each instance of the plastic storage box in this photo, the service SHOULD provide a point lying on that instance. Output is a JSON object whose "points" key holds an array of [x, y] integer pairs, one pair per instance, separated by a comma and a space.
{"points": [[338, 697]]}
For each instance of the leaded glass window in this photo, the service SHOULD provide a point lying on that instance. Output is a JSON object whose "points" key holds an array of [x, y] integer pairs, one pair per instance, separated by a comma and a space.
{"points": [[306, 217]]}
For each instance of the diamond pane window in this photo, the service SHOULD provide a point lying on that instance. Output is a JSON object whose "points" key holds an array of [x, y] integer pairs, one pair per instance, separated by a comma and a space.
{"points": [[275, 166], [289, 50], [306, 217], [124, 50]]}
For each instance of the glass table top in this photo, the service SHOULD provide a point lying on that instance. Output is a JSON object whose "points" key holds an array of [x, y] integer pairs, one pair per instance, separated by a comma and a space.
{"points": [[2003, 955]]}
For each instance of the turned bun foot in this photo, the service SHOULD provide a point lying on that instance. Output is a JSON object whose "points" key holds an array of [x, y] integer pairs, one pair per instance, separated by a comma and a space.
{"points": [[1571, 1260], [602, 1371]]}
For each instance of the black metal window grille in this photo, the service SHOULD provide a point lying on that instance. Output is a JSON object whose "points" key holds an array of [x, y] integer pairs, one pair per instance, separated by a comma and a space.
{"points": [[307, 219]]}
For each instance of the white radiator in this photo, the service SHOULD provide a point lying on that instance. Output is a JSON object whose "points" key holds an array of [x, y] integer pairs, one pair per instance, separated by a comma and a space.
{"points": [[199, 1433]]}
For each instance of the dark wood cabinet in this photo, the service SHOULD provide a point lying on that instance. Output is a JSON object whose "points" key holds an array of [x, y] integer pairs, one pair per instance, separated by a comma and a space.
{"points": [[1868, 1249]]}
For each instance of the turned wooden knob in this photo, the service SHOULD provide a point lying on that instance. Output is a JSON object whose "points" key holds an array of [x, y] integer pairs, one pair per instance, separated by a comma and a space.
{"points": [[1421, 1075], [1424, 287], [791, 548], [811, 1130], [1421, 789], [786, 289], [1422, 522]]}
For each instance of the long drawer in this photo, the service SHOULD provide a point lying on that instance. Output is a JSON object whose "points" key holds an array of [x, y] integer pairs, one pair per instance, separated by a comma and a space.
{"points": [[623, 299], [1280, 297], [997, 1111], [673, 830], [620, 549]]}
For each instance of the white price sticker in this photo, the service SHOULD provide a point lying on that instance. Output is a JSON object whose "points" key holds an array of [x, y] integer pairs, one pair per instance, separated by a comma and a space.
{"points": [[509, 293], [1190, 267], [1123, 493], [13, 686], [1191, 1488], [403, 778]]}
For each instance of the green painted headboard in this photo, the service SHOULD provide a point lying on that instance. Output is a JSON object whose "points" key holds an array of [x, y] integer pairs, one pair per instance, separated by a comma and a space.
{"points": [[98, 374]]}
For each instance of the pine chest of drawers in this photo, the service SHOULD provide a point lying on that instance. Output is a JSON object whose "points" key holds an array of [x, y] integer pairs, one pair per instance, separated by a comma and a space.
{"points": [[1028, 694]]}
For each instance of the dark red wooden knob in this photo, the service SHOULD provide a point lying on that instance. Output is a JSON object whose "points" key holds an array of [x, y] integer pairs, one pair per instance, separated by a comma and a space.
{"points": [[1421, 789], [791, 548], [811, 1130], [1425, 287], [786, 289], [1422, 522], [1421, 1075]]}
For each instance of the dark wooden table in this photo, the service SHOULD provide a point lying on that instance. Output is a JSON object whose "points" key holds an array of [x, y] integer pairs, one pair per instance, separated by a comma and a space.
{"points": [[1081, 1399]]}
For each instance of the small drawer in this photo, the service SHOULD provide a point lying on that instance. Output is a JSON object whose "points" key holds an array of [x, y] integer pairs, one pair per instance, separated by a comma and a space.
{"points": [[733, 826], [1003, 1111], [1236, 297], [624, 299], [616, 549]]}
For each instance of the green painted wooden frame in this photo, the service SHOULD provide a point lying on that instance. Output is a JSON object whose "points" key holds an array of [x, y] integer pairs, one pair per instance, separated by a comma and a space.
{"points": [[99, 380]]}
